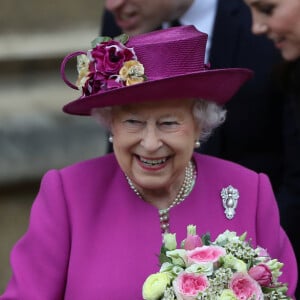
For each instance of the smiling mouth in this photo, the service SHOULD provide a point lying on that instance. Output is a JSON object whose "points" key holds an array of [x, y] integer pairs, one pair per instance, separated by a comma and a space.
{"points": [[153, 162], [126, 16], [278, 41], [126, 19]]}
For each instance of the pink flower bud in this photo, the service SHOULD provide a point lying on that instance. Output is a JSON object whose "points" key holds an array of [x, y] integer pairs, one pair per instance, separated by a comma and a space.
{"points": [[262, 274], [263, 253], [192, 242]]}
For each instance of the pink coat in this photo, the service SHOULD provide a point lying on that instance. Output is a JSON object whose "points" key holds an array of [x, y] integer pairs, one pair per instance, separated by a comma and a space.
{"points": [[90, 237]]}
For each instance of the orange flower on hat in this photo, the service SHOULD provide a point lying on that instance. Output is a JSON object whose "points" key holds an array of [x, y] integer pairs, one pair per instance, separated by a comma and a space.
{"points": [[132, 72]]}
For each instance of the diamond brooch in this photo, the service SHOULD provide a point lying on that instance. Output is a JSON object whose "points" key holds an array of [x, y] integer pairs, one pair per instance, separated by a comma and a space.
{"points": [[230, 197]]}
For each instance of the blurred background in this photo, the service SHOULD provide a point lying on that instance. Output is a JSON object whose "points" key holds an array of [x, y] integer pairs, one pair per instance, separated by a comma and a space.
{"points": [[35, 135]]}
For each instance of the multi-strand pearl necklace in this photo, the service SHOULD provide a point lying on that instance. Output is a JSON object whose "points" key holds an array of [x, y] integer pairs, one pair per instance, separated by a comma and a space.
{"points": [[184, 191]]}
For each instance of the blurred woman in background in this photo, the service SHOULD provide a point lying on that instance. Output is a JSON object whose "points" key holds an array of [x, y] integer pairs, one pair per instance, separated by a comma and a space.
{"points": [[279, 20]]}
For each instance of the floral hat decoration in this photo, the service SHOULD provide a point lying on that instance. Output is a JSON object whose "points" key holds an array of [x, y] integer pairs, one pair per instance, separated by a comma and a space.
{"points": [[161, 65]]}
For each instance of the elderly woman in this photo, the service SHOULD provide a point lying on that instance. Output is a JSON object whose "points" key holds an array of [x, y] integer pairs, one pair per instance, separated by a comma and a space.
{"points": [[96, 226]]}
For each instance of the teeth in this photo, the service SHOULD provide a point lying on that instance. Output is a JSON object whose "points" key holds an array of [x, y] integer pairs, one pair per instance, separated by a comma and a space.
{"points": [[153, 162], [126, 15], [278, 39]]}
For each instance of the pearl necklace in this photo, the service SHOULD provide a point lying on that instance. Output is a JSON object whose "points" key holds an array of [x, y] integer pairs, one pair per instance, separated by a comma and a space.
{"points": [[184, 191]]}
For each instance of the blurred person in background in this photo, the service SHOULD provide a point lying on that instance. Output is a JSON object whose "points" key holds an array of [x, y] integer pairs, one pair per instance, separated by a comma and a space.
{"points": [[279, 21]]}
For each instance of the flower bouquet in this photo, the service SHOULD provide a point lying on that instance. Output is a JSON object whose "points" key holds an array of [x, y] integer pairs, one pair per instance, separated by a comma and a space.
{"points": [[225, 269]]}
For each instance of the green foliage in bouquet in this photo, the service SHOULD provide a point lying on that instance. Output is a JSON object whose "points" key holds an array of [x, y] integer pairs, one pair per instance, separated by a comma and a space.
{"points": [[228, 268]]}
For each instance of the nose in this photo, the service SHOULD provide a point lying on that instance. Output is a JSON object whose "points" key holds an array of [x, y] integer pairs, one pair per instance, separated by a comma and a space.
{"points": [[112, 5], [259, 26], [151, 140]]}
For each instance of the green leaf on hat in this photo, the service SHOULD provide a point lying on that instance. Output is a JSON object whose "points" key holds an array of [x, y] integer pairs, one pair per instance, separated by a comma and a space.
{"points": [[122, 38], [99, 40]]}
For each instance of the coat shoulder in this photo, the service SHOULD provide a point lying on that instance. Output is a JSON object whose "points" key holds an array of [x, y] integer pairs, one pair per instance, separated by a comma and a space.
{"points": [[215, 162], [104, 166], [225, 170]]}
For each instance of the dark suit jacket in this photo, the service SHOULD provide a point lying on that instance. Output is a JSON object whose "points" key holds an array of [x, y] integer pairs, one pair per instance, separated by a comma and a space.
{"points": [[251, 134]]}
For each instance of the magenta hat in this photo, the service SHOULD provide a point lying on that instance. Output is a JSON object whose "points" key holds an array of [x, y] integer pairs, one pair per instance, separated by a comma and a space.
{"points": [[161, 65]]}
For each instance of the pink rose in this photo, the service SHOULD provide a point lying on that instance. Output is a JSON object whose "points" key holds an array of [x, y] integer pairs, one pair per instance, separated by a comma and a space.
{"points": [[188, 285], [192, 241], [110, 56], [245, 287], [262, 274], [205, 254]]}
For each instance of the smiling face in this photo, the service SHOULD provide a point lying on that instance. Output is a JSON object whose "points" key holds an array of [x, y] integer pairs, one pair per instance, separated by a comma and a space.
{"points": [[140, 16], [279, 20], [153, 143]]}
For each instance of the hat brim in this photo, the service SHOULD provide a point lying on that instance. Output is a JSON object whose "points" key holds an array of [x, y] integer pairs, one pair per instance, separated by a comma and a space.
{"points": [[212, 85]]}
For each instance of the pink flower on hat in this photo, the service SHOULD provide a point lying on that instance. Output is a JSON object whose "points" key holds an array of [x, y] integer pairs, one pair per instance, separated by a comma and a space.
{"points": [[109, 57]]}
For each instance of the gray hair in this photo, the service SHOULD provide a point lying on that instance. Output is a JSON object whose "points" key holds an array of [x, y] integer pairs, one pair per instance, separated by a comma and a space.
{"points": [[208, 116]]}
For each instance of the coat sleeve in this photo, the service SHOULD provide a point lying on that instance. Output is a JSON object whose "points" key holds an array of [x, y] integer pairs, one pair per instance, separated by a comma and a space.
{"points": [[271, 236], [39, 260]]}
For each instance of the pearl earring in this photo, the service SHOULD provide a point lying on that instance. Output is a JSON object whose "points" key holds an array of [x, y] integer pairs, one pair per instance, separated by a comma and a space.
{"points": [[110, 139], [197, 144]]}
